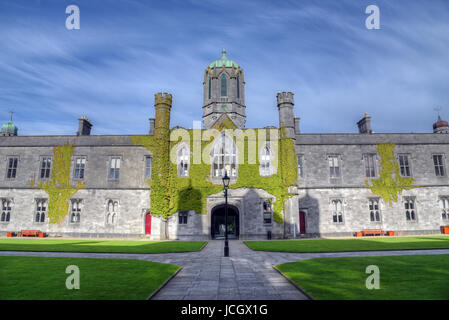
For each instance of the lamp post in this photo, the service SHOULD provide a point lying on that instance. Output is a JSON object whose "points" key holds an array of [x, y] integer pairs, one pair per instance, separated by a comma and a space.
{"points": [[226, 181]]}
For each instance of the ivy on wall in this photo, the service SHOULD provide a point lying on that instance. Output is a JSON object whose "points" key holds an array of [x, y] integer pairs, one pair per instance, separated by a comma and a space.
{"points": [[171, 194], [58, 187], [390, 184]]}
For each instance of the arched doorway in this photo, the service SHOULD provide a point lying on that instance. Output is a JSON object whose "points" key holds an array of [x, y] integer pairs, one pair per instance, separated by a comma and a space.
{"points": [[218, 222]]}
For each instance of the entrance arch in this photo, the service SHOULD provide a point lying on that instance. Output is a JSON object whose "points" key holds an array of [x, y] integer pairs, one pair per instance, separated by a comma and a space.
{"points": [[218, 222]]}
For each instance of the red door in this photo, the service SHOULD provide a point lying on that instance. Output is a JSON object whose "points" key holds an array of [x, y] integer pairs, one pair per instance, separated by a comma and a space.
{"points": [[148, 224], [302, 222]]}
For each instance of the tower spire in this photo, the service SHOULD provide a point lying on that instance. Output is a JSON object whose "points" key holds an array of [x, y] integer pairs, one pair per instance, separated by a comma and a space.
{"points": [[11, 113]]}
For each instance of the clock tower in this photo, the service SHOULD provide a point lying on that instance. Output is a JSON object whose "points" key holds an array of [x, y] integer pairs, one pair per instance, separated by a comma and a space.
{"points": [[224, 95]]}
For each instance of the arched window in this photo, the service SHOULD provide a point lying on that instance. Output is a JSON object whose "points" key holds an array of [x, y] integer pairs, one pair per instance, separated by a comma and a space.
{"points": [[265, 161], [224, 86], [41, 208], [6, 210], [224, 157], [210, 87], [337, 211], [183, 162], [444, 205], [75, 214], [111, 214], [238, 87]]}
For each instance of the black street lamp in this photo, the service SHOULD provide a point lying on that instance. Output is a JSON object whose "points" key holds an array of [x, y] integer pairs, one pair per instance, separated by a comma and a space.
{"points": [[226, 181]]}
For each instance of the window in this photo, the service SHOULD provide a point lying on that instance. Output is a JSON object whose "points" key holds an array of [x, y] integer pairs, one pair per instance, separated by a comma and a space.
{"points": [[334, 166], [404, 165], [183, 162], [80, 165], [370, 165], [75, 211], [183, 217], [210, 87], [224, 157], [11, 171], [444, 206], [112, 209], [337, 211], [410, 213], [374, 212], [148, 167], [114, 168], [300, 165], [238, 87], [439, 166], [6, 210], [267, 212], [265, 161], [224, 86], [41, 209], [45, 167]]}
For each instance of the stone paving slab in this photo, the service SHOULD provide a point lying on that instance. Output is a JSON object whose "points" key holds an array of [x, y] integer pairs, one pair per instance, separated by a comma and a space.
{"points": [[246, 274]]}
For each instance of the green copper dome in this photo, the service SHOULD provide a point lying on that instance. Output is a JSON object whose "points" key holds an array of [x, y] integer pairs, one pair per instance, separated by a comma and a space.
{"points": [[9, 129], [223, 61]]}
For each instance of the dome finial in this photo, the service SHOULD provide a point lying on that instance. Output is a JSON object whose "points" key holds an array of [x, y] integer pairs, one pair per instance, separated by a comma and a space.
{"points": [[223, 51], [11, 113]]}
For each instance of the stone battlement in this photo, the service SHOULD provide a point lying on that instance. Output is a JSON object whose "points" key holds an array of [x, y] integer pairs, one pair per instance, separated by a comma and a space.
{"points": [[163, 98], [285, 97]]}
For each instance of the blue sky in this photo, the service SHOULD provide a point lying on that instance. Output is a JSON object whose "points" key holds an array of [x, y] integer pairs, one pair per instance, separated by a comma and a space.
{"points": [[128, 50]]}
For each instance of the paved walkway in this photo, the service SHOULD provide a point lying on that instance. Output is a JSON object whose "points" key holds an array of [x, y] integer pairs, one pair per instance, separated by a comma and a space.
{"points": [[246, 274]]}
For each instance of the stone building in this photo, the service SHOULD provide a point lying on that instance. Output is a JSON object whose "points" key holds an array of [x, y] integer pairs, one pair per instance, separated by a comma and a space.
{"points": [[100, 185]]}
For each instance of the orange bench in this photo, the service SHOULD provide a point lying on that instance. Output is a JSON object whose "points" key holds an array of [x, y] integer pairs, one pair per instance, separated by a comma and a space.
{"points": [[27, 233], [445, 229], [372, 232]]}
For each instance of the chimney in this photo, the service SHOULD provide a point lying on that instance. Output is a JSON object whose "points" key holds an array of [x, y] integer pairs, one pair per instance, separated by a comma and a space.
{"points": [[297, 125], [365, 124], [151, 126], [84, 127]]}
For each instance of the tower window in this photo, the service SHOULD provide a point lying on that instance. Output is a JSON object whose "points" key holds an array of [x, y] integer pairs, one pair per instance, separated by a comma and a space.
{"points": [[265, 161], [224, 86], [210, 87], [238, 88]]}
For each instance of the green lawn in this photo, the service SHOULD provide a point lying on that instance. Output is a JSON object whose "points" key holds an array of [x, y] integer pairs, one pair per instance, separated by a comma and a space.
{"points": [[402, 277], [365, 244], [36, 278], [115, 246]]}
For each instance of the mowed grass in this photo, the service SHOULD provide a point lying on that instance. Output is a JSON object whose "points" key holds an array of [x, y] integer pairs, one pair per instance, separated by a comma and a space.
{"points": [[40, 278], [114, 246], [342, 245], [420, 277]]}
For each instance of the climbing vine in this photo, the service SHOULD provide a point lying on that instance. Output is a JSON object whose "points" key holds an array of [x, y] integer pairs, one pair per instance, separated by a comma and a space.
{"points": [[58, 187], [171, 194], [390, 184]]}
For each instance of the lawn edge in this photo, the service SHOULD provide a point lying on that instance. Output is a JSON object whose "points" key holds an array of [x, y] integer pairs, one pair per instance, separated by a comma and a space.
{"points": [[110, 252], [164, 284], [308, 296], [366, 250]]}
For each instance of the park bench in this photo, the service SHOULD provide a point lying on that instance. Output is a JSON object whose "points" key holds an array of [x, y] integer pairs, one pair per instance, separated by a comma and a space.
{"points": [[445, 229], [372, 232], [27, 233]]}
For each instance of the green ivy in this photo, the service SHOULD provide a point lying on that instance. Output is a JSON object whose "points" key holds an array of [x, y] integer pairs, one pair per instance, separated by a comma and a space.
{"points": [[171, 194], [58, 187], [390, 184]]}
